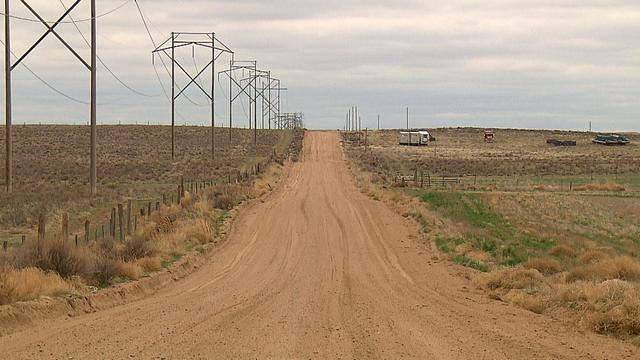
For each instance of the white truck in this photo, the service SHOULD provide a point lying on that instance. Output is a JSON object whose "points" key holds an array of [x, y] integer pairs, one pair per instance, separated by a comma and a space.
{"points": [[415, 138]]}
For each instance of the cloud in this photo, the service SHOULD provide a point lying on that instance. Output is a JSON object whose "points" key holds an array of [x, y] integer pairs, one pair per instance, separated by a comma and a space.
{"points": [[493, 63]]}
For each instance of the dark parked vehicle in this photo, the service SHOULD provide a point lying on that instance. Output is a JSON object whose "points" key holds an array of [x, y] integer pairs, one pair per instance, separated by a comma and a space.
{"points": [[612, 139]]}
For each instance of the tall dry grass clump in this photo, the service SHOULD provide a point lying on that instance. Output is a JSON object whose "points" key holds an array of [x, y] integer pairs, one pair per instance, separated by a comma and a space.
{"points": [[29, 284], [610, 307], [621, 267], [611, 187], [546, 266], [563, 251], [516, 278]]}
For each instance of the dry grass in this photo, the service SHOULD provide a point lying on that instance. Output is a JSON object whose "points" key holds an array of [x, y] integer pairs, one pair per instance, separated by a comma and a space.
{"points": [[621, 267], [613, 187], [610, 307], [517, 278], [29, 284], [530, 302], [593, 256], [150, 264], [546, 266], [582, 248], [131, 271], [563, 250]]}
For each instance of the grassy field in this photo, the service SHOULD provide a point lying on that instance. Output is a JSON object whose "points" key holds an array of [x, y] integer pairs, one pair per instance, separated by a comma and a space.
{"points": [[554, 230], [52, 162], [134, 164]]}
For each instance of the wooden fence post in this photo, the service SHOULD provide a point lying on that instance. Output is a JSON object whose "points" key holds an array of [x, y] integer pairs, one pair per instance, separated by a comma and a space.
{"points": [[181, 186], [65, 227], [5, 245], [121, 221], [179, 195], [87, 225], [129, 213], [76, 240], [42, 223], [24, 238], [164, 199], [112, 230], [149, 209]]}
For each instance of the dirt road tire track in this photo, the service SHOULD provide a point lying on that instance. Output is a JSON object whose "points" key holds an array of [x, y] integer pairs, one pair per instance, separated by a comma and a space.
{"points": [[318, 271]]}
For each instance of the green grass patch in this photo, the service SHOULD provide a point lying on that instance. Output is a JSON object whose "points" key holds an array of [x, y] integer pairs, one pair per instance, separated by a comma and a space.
{"points": [[448, 245], [537, 242], [485, 244], [510, 256], [219, 222], [469, 208], [465, 261], [173, 258]]}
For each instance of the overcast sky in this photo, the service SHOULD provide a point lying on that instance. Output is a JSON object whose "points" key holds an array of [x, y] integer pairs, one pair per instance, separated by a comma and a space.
{"points": [[495, 63]]}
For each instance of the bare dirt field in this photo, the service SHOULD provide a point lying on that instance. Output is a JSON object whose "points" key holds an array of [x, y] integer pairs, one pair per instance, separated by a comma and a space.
{"points": [[316, 270], [553, 230]]}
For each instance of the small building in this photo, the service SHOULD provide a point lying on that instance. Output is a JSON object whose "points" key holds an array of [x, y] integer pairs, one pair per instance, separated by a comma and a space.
{"points": [[414, 138]]}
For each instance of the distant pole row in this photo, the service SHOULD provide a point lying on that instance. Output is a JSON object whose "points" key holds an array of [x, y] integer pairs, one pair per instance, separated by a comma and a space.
{"points": [[353, 121]]}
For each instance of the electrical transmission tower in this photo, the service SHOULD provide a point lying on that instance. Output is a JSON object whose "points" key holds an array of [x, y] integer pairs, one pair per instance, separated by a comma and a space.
{"points": [[247, 86], [291, 121], [265, 90], [179, 40], [9, 67]]}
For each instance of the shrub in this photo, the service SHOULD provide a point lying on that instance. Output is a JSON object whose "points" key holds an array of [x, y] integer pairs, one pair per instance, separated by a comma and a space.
{"points": [[63, 258], [546, 266], [135, 248], [105, 270]]}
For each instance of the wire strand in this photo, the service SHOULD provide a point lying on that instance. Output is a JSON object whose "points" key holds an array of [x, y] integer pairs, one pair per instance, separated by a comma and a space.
{"points": [[102, 62], [68, 22], [59, 92], [146, 22]]}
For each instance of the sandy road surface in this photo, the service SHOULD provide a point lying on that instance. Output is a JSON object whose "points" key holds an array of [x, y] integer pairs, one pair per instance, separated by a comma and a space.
{"points": [[317, 271]]}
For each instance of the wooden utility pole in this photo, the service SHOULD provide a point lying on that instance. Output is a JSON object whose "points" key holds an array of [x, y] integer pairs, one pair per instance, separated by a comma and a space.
{"points": [[213, 96], [94, 132], [91, 66], [7, 93], [173, 95], [378, 121]]}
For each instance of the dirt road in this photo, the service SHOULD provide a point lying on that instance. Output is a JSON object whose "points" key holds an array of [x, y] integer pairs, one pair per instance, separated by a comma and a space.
{"points": [[316, 271]]}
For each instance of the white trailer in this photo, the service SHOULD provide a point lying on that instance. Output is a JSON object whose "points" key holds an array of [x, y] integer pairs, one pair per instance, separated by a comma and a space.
{"points": [[414, 138]]}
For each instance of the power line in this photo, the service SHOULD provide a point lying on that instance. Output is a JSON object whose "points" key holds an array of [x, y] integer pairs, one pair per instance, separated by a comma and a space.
{"points": [[68, 22], [45, 82], [102, 62], [146, 21]]}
